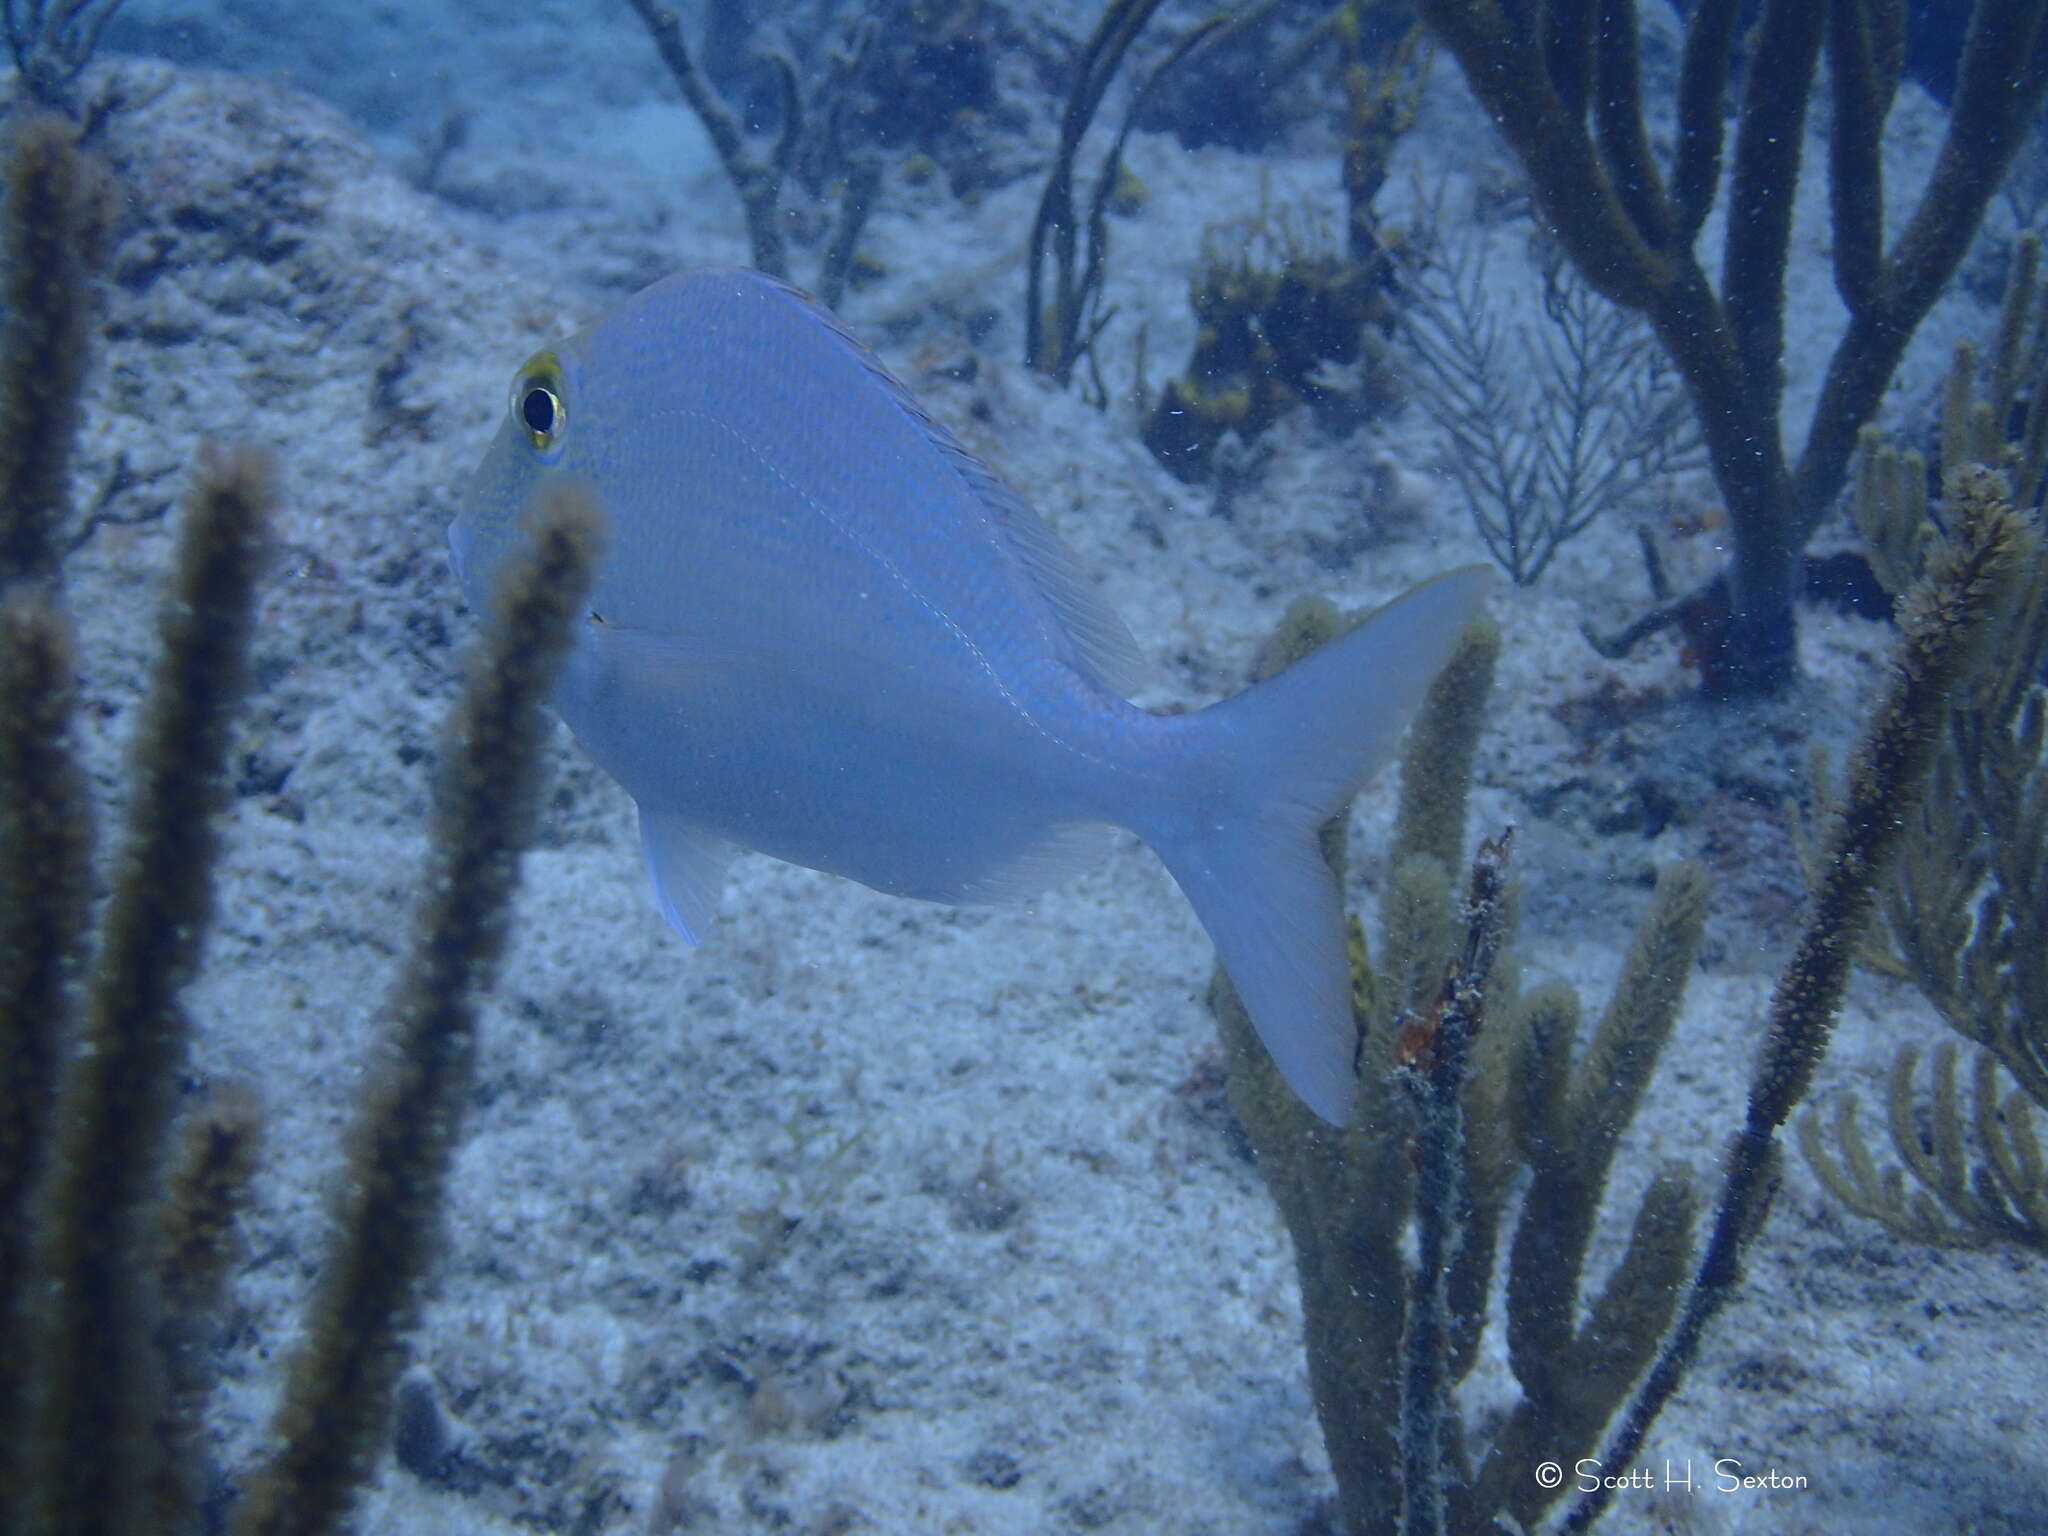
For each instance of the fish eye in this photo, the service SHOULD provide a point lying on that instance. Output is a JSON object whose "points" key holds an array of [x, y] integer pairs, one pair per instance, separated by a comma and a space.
{"points": [[539, 408], [537, 403]]}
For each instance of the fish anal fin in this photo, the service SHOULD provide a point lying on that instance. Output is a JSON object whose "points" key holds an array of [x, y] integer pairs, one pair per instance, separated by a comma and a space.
{"points": [[1030, 870]]}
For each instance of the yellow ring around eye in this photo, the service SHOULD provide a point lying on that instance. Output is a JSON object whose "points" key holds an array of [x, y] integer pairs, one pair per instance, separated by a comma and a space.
{"points": [[538, 404]]}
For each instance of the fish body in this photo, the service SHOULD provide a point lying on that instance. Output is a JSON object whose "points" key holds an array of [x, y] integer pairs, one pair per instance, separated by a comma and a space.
{"points": [[824, 631]]}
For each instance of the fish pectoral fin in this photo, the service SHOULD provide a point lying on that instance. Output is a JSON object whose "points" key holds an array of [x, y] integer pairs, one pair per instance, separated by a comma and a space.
{"points": [[687, 865], [670, 663]]}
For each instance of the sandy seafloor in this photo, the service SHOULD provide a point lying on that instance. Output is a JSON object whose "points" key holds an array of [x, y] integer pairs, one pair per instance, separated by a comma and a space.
{"points": [[869, 1215]]}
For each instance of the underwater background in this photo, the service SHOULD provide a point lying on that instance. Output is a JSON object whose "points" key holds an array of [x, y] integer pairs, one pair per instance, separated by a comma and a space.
{"points": [[870, 1215]]}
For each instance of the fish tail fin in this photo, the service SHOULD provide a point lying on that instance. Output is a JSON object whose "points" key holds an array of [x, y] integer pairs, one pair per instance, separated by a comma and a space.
{"points": [[1283, 758]]}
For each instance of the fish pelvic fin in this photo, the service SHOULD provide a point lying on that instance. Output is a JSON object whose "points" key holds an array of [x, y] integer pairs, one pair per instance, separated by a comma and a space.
{"points": [[687, 867], [1280, 760]]}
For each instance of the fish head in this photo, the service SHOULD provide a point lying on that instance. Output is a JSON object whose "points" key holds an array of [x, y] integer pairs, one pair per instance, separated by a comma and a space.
{"points": [[537, 438], [637, 406], [601, 406]]}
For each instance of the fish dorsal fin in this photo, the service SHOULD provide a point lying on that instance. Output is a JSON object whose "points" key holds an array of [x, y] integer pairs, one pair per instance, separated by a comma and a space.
{"points": [[1104, 645], [1100, 643], [687, 865]]}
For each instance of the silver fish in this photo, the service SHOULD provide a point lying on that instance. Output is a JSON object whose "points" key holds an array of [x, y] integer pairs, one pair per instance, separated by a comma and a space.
{"points": [[823, 630]]}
